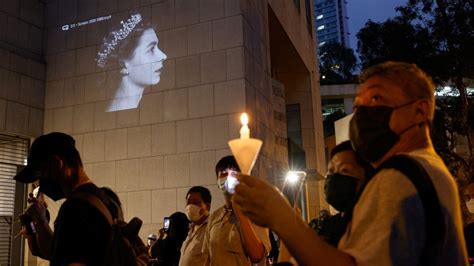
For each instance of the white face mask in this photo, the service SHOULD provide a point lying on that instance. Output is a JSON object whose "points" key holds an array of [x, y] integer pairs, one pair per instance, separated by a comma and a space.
{"points": [[470, 205], [193, 213], [228, 183]]}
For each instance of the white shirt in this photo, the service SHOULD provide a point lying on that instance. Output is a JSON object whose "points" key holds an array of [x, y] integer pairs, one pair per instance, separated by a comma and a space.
{"points": [[388, 224]]}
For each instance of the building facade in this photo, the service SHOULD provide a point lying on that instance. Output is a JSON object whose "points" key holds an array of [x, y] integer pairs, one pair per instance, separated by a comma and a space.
{"points": [[331, 22], [336, 100], [152, 106]]}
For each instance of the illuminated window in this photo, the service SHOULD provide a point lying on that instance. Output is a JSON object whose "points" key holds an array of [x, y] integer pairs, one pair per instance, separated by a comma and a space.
{"points": [[319, 17], [321, 44], [321, 27]]}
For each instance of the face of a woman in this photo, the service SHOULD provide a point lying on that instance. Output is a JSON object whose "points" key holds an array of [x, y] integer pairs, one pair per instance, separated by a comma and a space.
{"points": [[146, 61]]}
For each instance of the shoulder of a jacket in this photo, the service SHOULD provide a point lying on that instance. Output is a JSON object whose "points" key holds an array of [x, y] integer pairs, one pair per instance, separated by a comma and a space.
{"points": [[75, 202], [215, 216], [393, 179], [216, 213]]}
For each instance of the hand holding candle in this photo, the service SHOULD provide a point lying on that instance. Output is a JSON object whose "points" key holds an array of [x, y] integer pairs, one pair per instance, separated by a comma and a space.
{"points": [[245, 149]]}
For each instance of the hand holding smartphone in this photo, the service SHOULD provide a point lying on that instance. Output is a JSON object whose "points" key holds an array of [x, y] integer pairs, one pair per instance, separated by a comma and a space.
{"points": [[37, 212], [28, 224], [231, 181]]}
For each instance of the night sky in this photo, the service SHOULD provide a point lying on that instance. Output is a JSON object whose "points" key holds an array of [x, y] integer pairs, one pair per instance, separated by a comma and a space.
{"points": [[359, 11]]}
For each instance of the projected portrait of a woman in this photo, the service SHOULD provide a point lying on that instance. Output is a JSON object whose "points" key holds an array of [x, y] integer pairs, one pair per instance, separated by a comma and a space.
{"points": [[135, 45]]}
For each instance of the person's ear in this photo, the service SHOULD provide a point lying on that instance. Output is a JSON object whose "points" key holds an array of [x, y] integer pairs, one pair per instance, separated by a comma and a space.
{"points": [[124, 71], [422, 110], [123, 68], [59, 161]]}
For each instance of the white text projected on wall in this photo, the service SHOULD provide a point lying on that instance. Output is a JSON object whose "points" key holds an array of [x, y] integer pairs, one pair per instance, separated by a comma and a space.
{"points": [[131, 45]]}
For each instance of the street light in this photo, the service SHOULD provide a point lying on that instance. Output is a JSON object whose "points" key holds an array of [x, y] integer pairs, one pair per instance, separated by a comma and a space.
{"points": [[297, 180], [293, 177]]}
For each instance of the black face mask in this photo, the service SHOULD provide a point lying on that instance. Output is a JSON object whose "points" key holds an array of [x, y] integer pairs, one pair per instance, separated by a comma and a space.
{"points": [[51, 189], [370, 132], [340, 191], [47, 184]]}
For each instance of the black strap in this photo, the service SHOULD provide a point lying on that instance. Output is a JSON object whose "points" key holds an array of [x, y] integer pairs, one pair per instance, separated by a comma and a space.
{"points": [[98, 199], [434, 219], [96, 202]]}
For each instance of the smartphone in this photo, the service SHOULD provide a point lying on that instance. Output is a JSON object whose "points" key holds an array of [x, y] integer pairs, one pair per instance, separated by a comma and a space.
{"points": [[166, 223], [28, 223], [231, 181]]}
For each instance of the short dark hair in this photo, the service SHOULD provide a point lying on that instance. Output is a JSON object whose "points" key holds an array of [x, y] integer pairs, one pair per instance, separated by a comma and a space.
{"points": [[347, 146], [226, 163], [343, 146], [204, 192]]}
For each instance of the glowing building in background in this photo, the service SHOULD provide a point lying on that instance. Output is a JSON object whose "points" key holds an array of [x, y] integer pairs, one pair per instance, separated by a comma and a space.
{"points": [[331, 22]]}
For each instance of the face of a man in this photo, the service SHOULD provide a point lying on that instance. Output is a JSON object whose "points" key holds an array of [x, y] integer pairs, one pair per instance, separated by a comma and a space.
{"points": [[221, 178], [379, 91], [196, 199], [50, 177], [44, 169], [223, 173]]}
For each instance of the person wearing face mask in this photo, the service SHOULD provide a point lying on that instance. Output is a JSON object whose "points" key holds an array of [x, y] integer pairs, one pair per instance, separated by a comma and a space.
{"points": [[81, 232], [393, 220], [469, 228], [231, 239], [198, 200], [151, 239], [347, 172]]}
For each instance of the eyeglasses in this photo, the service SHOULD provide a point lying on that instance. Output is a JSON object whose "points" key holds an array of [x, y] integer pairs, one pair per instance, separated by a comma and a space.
{"points": [[468, 197]]}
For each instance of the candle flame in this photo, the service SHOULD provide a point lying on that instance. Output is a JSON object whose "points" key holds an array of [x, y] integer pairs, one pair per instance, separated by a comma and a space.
{"points": [[244, 119]]}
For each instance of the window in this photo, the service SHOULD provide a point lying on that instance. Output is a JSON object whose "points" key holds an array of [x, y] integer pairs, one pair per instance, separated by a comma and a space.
{"points": [[295, 137], [13, 152], [332, 109], [332, 105], [319, 16]]}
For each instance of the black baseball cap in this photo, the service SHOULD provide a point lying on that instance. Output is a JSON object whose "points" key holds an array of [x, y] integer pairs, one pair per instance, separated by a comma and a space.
{"points": [[45, 146]]}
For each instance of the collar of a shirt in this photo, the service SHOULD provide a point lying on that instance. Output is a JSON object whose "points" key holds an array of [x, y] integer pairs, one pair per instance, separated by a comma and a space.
{"points": [[195, 227]]}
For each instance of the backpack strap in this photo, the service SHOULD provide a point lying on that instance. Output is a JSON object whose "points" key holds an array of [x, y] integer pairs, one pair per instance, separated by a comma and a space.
{"points": [[96, 202], [434, 219]]}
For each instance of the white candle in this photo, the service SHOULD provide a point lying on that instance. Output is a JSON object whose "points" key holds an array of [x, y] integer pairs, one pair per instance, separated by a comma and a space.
{"points": [[244, 131]]}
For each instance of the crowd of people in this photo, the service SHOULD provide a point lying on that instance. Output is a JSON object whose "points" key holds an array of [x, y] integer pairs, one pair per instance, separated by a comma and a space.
{"points": [[397, 202]]}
